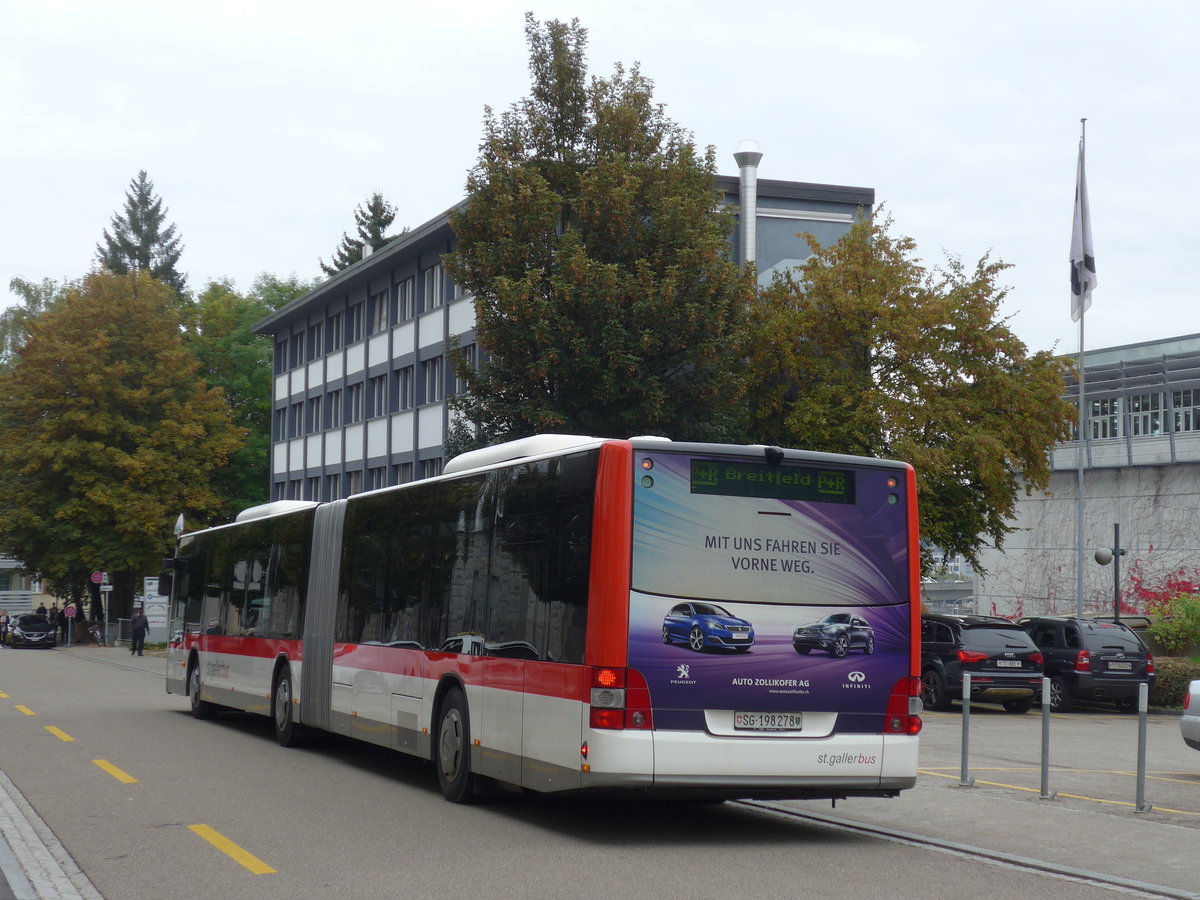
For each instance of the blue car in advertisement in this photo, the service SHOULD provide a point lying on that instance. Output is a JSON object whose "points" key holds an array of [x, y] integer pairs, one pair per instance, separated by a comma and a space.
{"points": [[704, 625], [837, 634]]}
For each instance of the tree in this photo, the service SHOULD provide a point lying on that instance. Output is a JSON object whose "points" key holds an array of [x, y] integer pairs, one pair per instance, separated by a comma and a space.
{"points": [[107, 433], [14, 321], [139, 242], [235, 359], [371, 219], [596, 247], [867, 352]]}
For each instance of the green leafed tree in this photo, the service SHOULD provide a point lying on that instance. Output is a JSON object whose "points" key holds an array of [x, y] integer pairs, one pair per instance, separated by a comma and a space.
{"points": [[596, 248], [107, 433], [36, 298], [866, 351], [235, 359], [141, 241], [372, 219]]}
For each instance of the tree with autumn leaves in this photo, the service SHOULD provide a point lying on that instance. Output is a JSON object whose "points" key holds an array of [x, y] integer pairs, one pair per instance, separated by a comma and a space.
{"points": [[107, 434], [866, 351]]}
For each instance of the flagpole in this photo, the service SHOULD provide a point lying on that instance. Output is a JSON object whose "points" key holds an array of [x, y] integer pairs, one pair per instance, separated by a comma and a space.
{"points": [[1081, 552]]}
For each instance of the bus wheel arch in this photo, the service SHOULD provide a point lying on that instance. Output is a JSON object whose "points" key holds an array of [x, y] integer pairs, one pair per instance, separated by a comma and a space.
{"points": [[283, 709], [452, 742], [201, 709]]}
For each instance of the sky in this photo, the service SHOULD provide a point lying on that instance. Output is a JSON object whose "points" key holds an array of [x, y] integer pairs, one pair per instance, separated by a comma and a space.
{"points": [[263, 124]]}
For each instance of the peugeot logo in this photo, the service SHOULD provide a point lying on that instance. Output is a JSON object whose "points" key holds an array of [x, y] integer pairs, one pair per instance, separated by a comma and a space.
{"points": [[857, 676]]}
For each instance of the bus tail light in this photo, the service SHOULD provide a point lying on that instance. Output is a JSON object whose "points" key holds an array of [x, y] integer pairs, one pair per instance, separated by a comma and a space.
{"points": [[620, 699], [903, 714]]}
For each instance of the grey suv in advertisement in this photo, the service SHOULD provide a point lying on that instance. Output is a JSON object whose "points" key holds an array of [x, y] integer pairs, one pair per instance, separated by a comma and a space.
{"points": [[1091, 660]]}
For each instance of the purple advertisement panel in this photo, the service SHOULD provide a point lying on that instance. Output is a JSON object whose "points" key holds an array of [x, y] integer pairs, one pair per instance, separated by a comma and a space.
{"points": [[763, 589]]}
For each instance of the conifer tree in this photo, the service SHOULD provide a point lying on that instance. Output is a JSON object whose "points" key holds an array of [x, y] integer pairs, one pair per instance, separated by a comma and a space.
{"points": [[139, 241], [372, 219]]}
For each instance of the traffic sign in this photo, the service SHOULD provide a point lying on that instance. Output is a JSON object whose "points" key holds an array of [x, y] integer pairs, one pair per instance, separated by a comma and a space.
{"points": [[69, 612], [97, 577]]}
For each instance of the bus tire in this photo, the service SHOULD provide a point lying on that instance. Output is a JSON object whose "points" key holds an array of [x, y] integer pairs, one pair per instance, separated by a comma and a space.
{"points": [[452, 748], [201, 709], [287, 732]]}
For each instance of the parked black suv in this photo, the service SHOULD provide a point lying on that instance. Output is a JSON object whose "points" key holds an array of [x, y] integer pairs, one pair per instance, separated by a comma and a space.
{"points": [[1004, 664], [1091, 660]]}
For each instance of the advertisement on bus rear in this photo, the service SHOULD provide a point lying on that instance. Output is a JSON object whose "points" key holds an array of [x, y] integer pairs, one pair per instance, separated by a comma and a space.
{"points": [[768, 589]]}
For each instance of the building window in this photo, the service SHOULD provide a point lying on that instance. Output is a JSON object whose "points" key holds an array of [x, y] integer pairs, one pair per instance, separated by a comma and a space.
{"points": [[294, 489], [336, 332], [431, 287], [281, 356], [404, 387], [431, 467], [470, 357], [377, 398], [296, 351], [354, 323], [313, 422], [280, 423], [333, 487], [457, 291], [296, 420], [313, 488], [376, 478], [316, 340], [431, 373], [1187, 409], [333, 413], [354, 403], [405, 300], [403, 472], [379, 312], [6, 581], [356, 481], [1145, 415], [1104, 418]]}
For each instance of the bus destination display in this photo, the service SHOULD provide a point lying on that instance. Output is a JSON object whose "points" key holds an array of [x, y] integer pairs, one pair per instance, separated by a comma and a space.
{"points": [[743, 479]]}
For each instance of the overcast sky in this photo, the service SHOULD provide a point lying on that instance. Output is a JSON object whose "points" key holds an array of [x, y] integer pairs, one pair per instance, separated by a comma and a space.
{"points": [[263, 124]]}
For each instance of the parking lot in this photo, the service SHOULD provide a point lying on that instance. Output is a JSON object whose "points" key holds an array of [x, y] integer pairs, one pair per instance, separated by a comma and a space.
{"points": [[1091, 823]]}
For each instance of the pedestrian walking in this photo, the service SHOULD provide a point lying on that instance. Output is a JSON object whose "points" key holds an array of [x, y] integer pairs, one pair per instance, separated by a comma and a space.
{"points": [[3, 628], [138, 626], [60, 625]]}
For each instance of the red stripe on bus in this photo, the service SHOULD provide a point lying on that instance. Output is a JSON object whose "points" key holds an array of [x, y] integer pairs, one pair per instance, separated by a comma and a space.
{"points": [[261, 648], [914, 574], [612, 529], [546, 679]]}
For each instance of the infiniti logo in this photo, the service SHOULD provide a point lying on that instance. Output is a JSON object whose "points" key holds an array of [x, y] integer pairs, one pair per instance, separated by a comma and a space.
{"points": [[857, 676]]}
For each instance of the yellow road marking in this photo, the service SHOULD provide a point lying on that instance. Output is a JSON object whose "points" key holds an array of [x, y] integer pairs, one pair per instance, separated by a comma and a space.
{"points": [[1029, 790], [26, 710], [233, 851], [3, 695], [123, 777], [59, 733]]}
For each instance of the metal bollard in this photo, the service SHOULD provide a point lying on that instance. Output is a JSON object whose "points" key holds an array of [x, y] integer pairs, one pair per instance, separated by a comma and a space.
{"points": [[1045, 794], [965, 780], [1141, 806]]}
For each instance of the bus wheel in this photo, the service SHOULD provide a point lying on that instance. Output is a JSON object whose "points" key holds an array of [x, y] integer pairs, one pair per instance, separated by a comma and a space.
{"points": [[287, 732], [201, 709], [453, 747]]}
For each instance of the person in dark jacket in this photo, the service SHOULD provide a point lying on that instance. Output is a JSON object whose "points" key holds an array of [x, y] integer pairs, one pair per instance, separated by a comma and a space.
{"points": [[138, 626]]}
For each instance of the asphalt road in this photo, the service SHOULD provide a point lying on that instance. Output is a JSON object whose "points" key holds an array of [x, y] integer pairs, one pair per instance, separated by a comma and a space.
{"points": [[135, 799]]}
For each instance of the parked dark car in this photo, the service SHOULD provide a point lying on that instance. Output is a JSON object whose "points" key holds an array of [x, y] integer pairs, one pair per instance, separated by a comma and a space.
{"points": [[837, 634], [1004, 664], [702, 625], [30, 630], [1091, 660]]}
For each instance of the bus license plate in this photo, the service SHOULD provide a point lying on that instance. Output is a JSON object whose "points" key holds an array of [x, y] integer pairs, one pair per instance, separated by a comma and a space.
{"points": [[1123, 666], [766, 721]]}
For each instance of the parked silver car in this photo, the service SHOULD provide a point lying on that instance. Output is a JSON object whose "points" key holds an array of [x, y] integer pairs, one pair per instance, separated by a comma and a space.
{"points": [[1189, 722]]}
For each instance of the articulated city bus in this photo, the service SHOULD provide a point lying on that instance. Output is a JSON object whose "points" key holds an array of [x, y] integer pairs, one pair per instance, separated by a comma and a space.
{"points": [[565, 613]]}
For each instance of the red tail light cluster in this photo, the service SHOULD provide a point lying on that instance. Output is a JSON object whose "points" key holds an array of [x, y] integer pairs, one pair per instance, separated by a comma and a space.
{"points": [[1037, 659], [1083, 661], [904, 707], [620, 698], [971, 656], [1150, 670]]}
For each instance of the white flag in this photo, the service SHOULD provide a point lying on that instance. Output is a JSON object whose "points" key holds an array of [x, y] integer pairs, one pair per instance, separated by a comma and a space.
{"points": [[179, 525], [1083, 259]]}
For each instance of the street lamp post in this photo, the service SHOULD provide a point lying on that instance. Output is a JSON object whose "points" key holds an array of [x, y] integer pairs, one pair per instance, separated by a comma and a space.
{"points": [[1104, 556]]}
